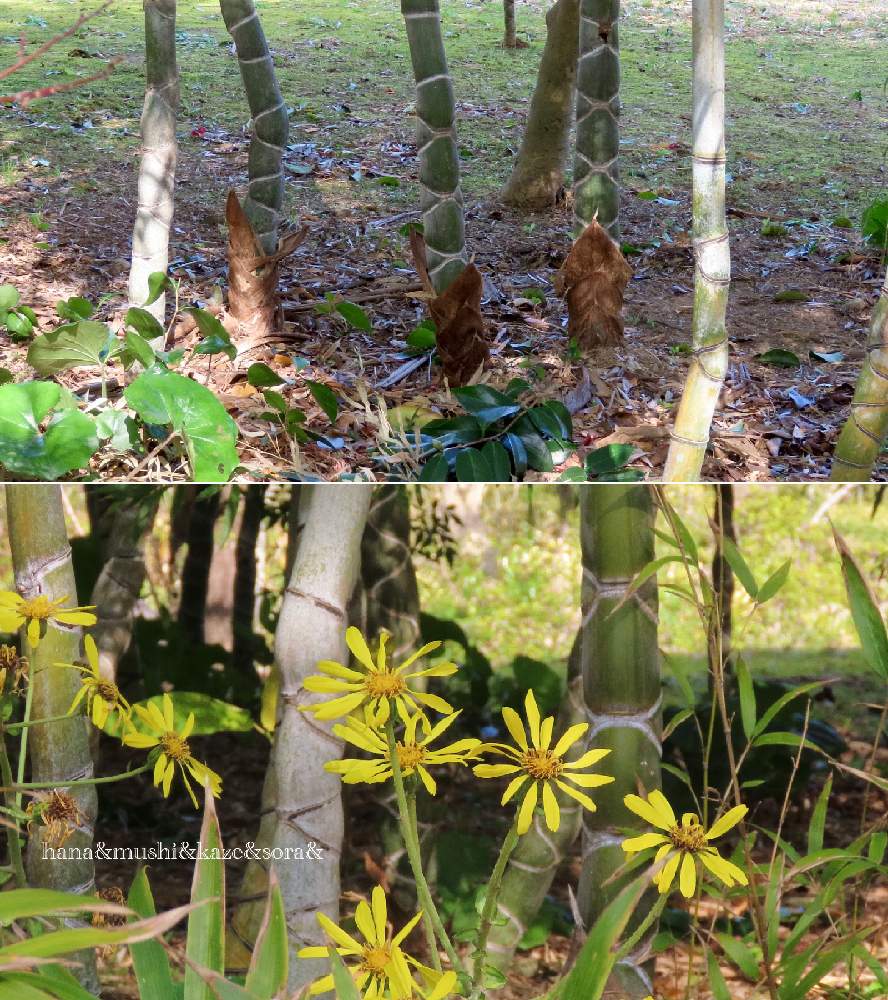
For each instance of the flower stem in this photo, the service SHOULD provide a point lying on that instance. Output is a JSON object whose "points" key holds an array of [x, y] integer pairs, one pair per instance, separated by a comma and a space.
{"points": [[12, 835], [430, 912], [23, 739], [490, 900], [650, 918], [13, 726], [30, 786], [429, 929]]}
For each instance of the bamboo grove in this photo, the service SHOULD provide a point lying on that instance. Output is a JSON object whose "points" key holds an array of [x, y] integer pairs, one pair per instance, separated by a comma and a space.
{"points": [[344, 708]]}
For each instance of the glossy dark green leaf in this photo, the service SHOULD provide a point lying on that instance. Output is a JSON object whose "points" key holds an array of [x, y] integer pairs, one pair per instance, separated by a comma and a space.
{"points": [[472, 467], [354, 316], [74, 309], [423, 337], [603, 462], [487, 405], [215, 338], [453, 431], [144, 323], [261, 376], [436, 470], [498, 462], [779, 358], [275, 400], [158, 283], [74, 345], [515, 445]]}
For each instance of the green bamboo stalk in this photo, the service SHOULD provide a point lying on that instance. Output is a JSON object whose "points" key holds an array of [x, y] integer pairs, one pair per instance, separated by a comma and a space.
{"points": [[863, 435], [621, 682], [712, 254], [533, 865], [441, 199], [59, 751], [301, 802], [596, 172], [157, 170], [538, 173], [271, 122]]}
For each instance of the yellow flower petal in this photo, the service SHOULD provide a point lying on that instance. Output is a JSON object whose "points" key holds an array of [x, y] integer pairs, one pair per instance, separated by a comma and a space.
{"points": [[159, 768], [494, 770], [364, 921], [590, 780], [513, 787], [427, 780], [359, 648], [516, 728], [731, 818], [34, 632], [667, 876], [85, 618], [188, 727], [325, 685], [546, 728], [646, 811], [687, 878], [574, 793], [433, 701], [169, 716], [550, 807], [446, 986], [533, 718], [406, 929], [724, 870], [643, 842], [525, 813], [413, 657], [336, 708], [589, 758], [377, 905], [568, 738], [337, 934], [659, 801], [335, 669]]}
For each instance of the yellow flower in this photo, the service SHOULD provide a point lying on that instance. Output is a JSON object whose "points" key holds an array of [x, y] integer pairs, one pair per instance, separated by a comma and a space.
{"points": [[413, 755], [382, 968], [375, 684], [15, 612], [58, 813], [174, 748], [683, 844], [102, 696], [538, 768]]}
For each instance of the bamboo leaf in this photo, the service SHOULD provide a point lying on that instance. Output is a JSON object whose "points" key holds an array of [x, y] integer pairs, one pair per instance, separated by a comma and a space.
{"points": [[33, 985], [644, 574], [741, 955], [267, 975], [747, 698], [781, 739], [205, 945], [740, 567], [774, 582], [785, 699], [588, 978], [818, 817], [716, 980], [150, 962], [342, 979], [676, 721], [864, 611], [18, 904]]}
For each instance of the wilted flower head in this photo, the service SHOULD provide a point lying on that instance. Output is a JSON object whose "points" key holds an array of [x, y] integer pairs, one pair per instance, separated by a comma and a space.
{"points": [[57, 812]]}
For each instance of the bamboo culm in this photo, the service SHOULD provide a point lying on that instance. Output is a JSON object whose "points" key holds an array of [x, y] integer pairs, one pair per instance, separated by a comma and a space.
{"points": [[441, 200], [712, 255], [596, 183], [621, 683], [157, 169], [302, 803], [863, 435], [58, 752], [271, 122]]}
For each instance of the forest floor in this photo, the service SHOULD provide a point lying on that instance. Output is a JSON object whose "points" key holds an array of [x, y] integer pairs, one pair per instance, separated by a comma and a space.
{"points": [[806, 105]]}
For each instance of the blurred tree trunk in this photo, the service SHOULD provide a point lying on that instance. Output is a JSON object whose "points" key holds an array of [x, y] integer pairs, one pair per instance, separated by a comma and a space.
{"points": [[510, 36], [596, 172], [621, 684], [196, 569], [722, 574], [129, 513], [157, 170], [538, 173], [441, 199], [534, 863], [57, 751], [302, 803], [712, 253], [243, 612], [863, 435]]}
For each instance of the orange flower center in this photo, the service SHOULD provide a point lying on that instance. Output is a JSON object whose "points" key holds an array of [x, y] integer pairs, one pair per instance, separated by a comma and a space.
{"points": [[690, 838], [38, 607], [410, 755], [385, 685], [542, 764], [375, 960], [175, 747]]}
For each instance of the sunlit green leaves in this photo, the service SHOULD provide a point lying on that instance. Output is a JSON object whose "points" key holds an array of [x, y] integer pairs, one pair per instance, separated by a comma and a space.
{"points": [[164, 398], [84, 343], [38, 437]]}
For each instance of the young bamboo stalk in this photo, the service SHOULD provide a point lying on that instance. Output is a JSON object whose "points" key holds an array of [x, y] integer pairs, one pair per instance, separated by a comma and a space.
{"points": [[534, 863], [863, 435], [157, 170], [596, 185], [302, 803], [538, 173], [271, 122], [58, 751], [441, 199], [621, 683], [712, 253]]}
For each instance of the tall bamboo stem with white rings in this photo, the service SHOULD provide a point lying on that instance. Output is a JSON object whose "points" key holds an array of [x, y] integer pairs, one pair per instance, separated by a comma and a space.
{"points": [[712, 255], [596, 185], [157, 169], [621, 684], [270, 125], [441, 200]]}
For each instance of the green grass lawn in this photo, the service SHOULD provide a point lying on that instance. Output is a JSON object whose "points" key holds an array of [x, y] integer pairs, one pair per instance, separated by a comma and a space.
{"points": [[804, 95], [514, 587]]}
